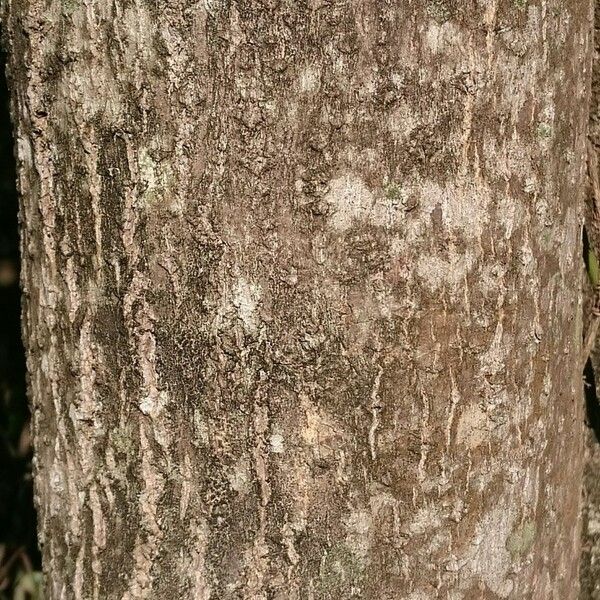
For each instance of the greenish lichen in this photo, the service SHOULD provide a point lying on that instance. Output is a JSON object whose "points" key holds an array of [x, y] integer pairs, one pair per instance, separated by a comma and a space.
{"points": [[341, 573], [120, 439], [69, 7], [544, 131], [520, 541], [438, 10], [155, 177], [393, 192], [520, 4], [592, 267]]}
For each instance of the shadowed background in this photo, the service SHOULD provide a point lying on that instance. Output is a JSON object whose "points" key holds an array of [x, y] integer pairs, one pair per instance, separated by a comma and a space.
{"points": [[19, 557]]}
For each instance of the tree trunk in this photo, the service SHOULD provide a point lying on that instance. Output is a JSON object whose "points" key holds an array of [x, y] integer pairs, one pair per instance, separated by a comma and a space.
{"points": [[302, 295], [590, 558]]}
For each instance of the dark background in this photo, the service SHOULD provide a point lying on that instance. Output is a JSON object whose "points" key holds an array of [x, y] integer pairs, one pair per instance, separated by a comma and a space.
{"points": [[19, 556]]}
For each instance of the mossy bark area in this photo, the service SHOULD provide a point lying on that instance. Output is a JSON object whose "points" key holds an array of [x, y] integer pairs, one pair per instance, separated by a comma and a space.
{"points": [[302, 298]]}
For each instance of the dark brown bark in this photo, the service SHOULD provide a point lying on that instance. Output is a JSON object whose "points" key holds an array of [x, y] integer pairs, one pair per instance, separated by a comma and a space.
{"points": [[302, 299]]}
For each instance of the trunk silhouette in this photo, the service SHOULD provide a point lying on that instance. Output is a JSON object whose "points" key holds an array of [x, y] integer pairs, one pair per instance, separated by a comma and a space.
{"points": [[302, 298]]}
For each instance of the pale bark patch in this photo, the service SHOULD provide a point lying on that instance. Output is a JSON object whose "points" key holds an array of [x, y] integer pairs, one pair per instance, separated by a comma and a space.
{"points": [[437, 272], [359, 525], [309, 79], [276, 442], [351, 200], [490, 558], [439, 36], [472, 427], [246, 299], [240, 477]]}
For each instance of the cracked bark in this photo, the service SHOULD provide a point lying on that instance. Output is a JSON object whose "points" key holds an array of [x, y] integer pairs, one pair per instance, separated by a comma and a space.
{"points": [[302, 294]]}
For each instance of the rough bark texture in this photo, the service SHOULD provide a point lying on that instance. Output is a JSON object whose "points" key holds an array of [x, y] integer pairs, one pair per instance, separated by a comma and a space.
{"points": [[302, 296], [590, 558]]}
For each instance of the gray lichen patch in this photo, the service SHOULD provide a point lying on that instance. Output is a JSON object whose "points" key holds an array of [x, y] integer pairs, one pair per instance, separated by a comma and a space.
{"points": [[439, 10], [437, 272], [70, 6], [544, 130], [341, 574], [359, 528]]}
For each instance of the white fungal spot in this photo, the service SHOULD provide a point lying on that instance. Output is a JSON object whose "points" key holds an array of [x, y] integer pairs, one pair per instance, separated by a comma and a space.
{"points": [[240, 479], [24, 151], [246, 298], [472, 429], [276, 441], [350, 199], [153, 404], [147, 168], [309, 79]]}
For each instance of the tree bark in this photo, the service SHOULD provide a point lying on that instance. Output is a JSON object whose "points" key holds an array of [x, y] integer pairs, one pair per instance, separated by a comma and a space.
{"points": [[589, 572], [302, 295]]}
